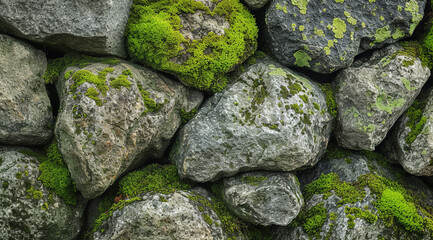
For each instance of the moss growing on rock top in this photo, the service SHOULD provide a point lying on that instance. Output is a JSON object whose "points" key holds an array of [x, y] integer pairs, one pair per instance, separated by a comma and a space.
{"points": [[154, 38]]}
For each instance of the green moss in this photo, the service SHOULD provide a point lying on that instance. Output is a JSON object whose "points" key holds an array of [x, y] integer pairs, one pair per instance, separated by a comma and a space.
{"points": [[427, 48], [153, 37], [5, 185], [207, 219], [19, 175], [150, 104], [56, 66], [301, 59], [117, 206], [312, 220], [33, 193], [44, 206], [304, 98], [122, 80], [92, 93], [338, 27], [351, 221], [359, 213], [330, 99], [254, 181], [55, 175], [185, 116], [416, 121]]}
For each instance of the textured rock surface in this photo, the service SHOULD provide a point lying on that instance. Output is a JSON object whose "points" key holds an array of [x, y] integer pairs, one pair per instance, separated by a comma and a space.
{"points": [[325, 36], [128, 115], [359, 219], [163, 216], [86, 26], [410, 141], [373, 93], [270, 119], [25, 108], [28, 209], [264, 198], [256, 4]]}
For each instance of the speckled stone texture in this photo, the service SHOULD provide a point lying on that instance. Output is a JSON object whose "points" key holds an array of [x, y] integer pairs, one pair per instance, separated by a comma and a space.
{"points": [[25, 109], [271, 118], [100, 138], [325, 36], [87, 26], [373, 93]]}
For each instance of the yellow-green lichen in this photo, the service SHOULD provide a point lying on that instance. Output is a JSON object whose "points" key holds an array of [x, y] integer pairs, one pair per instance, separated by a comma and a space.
{"points": [[413, 7], [386, 103], [301, 4], [350, 19], [398, 34], [338, 27], [279, 7], [302, 59], [382, 34]]}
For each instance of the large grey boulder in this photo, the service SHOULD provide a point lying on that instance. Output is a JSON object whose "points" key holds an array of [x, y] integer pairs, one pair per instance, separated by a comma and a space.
{"points": [[345, 193], [264, 198], [28, 209], [325, 36], [25, 109], [373, 93], [271, 118], [256, 4], [86, 26], [179, 215], [410, 142], [115, 118]]}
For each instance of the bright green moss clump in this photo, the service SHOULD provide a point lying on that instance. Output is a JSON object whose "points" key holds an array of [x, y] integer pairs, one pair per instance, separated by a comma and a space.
{"points": [[416, 120], [186, 116], [330, 99], [153, 37], [427, 48], [55, 175]]}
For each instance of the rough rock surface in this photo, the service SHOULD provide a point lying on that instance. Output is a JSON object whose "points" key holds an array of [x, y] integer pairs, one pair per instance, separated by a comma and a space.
{"points": [[126, 116], [28, 209], [410, 141], [264, 198], [270, 119], [328, 216], [325, 36], [86, 26], [373, 93], [163, 216], [256, 4], [25, 108]]}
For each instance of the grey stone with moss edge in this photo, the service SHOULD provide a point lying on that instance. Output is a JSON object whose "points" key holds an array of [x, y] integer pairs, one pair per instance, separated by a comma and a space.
{"points": [[25, 109], [28, 209], [86, 26], [163, 216], [271, 118], [256, 4], [415, 157], [373, 93], [107, 128], [264, 198], [325, 36]]}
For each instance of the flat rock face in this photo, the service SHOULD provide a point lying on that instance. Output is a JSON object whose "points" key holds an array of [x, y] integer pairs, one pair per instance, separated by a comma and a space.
{"points": [[270, 119], [116, 117], [325, 36], [327, 216], [28, 209], [410, 141], [86, 26], [25, 109], [264, 198], [373, 93], [162, 216]]}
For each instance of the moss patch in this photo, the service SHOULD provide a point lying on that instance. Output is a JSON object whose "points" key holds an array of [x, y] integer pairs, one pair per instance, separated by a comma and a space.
{"points": [[153, 37], [330, 99], [416, 119], [185, 116]]}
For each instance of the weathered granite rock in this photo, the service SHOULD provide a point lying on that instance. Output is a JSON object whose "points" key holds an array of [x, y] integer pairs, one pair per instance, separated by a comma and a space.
{"points": [[197, 41], [256, 4], [116, 117], [86, 26], [264, 198], [25, 108], [373, 93], [349, 210], [410, 141], [325, 36], [270, 119], [28, 209], [179, 215]]}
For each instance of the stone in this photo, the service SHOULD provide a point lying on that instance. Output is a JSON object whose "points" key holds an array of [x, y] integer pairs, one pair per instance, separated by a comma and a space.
{"points": [[178, 215], [325, 36], [95, 27], [29, 210], [197, 41], [264, 198], [25, 108], [256, 4], [410, 141], [271, 118], [373, 93], [113, 118], [348, 207]]}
